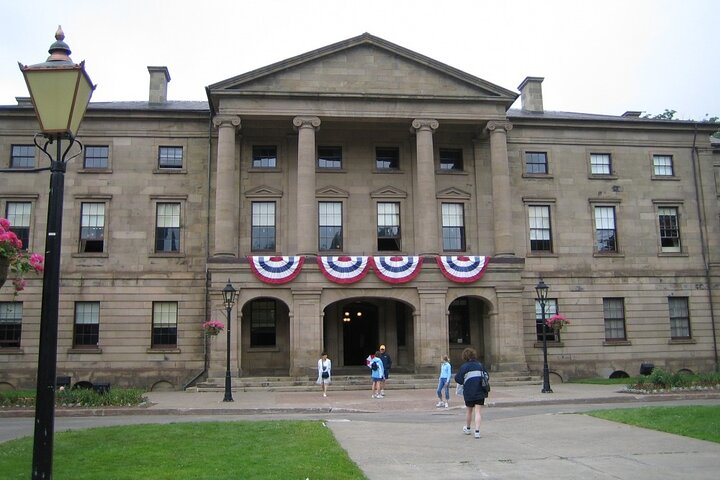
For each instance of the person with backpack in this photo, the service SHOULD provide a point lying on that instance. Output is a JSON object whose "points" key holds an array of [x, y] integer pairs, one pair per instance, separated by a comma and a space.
{"points": [[475, 382], [377, 374]]}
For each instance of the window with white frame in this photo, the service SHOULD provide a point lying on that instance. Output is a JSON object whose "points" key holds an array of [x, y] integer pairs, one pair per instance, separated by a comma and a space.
{"points": [[92, 227], [663, 166], [389, 237], [668, 221], [550, 310], [18, 214], [453, 227], [330, 157], [10, 324], [170, 157], [96, 157], [540, 229], [614, 318], [330, 231], [22, 156], [263, 227], [679, 317], [605, 230], [167, 228], [87, 325], [536, 162], [164, 325], [600, 164]]}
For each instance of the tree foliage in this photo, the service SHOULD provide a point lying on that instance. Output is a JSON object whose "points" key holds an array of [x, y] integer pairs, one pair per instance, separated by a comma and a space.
{"points": [[669, 114]]}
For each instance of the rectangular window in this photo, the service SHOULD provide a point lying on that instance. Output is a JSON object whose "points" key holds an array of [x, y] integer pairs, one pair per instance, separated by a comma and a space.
{"points": [[387, 158], [92, 228], [330, 157], [330, 231], [263, 227], [453, 227], [600, 164], [388, 227], [97, 157], [170, 157], [536, 162], [264, 156], [22, 156], [679, 317], [18, 214], [540, 232], [167, 228], [669, 229], [164, 325], [87, 325], [10, 324], [605, 231], [459, 322], [663, 165], [550, 310], [263, 323], [451, 159], [614, 315]]}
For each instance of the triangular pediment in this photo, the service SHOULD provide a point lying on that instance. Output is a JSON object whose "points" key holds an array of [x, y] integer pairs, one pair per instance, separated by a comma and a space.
{"points": [[264, 191], [453, 193], [388, 192], [366, 67], [331, 191]]}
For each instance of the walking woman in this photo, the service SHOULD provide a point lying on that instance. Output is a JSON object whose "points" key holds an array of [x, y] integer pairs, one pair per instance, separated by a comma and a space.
{"points": [[473, 376], [324, 372]]}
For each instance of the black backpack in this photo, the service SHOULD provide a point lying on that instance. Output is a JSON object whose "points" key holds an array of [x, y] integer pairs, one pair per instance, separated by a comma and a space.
{"points": [[374, 366]]}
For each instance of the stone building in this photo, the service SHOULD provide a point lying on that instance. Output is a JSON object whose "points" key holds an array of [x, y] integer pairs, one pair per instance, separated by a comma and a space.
{"points": [[362, 194]]}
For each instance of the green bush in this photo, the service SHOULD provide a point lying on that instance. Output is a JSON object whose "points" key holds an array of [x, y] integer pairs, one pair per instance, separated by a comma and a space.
{"points": [[78, 397], [660, 379]]}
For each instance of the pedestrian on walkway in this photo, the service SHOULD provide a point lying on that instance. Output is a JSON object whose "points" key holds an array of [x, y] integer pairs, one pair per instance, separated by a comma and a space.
{"points": [[377, 374], [475, 381], [387, 364], [444, 382], [324, 372]]}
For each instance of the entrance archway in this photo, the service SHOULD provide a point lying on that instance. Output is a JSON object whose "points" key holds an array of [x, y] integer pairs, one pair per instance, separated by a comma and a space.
{"points": [[360, 332]]}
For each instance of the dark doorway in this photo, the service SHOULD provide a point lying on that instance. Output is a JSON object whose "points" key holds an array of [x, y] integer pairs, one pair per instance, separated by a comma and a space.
{"points": [[360, 332]]}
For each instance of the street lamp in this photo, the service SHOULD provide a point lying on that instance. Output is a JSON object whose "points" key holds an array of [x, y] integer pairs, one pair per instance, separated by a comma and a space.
{"points": [[229, 295], [60, 91], [542, 291]]}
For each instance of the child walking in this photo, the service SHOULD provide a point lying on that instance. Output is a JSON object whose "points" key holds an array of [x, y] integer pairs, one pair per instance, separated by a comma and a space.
{"points": [[444, 382]]}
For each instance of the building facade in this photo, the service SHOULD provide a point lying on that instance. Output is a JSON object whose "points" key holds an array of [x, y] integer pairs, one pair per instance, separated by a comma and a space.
{"points": [[362, 194]]}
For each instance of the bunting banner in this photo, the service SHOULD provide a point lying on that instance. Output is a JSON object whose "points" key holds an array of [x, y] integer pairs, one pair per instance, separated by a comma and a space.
{"points": [[344, 269], [276, 270], [396, 269], [462, 269]]}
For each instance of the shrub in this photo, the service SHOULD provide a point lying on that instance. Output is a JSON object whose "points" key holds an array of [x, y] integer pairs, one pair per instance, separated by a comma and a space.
{"points": [[78, 397], [660, 379]]}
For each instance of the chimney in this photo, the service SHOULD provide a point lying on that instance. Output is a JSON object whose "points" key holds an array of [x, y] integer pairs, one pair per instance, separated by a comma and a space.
{"points": [[159, 78], [531, 94]]}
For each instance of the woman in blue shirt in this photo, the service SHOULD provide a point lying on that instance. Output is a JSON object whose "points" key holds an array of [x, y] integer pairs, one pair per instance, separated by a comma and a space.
{"points": [[444, 382], [472, 375]]}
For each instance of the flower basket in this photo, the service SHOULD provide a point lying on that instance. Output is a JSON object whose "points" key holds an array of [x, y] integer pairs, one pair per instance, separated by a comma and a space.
{"points": [[557, 322], [14, 260], [212, 328]]}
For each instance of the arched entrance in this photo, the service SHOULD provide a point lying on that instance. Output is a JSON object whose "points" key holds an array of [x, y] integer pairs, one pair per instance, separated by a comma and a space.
{"points": [[360, 332], [265, 337]]}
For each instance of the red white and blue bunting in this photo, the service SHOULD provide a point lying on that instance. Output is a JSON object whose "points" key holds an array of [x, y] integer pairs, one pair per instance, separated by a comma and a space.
{"points": [[396, 269], [462, 269], [276, 270], [344, 269]]}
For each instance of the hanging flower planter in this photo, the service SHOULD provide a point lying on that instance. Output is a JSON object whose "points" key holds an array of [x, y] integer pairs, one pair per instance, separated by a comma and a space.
{"points": [[557, 322], [14, 260], [212, 328]]}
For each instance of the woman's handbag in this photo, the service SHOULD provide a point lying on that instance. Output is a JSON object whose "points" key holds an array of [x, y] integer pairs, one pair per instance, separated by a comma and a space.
{"points": [[325, 375]]}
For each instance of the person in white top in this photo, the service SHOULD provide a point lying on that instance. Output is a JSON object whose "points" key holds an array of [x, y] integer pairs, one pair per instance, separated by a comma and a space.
{"points": [[324, 372]]}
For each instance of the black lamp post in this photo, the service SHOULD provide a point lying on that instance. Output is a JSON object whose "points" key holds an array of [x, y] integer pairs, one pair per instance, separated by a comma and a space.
{"points": [[229, 294], [542, 291], [60, 92]]}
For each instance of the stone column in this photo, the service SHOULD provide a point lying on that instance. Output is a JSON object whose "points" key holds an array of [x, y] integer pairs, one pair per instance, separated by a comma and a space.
{"points": [[226, 188], [506, 331], [502, 211], [425, 201], [306, 333], [431, 329], [305, 207]]}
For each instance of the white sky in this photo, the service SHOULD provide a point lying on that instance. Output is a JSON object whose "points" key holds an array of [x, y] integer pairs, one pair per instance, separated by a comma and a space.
{"points": [[603, 57]]}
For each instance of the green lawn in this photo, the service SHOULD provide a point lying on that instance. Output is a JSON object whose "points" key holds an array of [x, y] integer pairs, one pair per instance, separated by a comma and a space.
{"points": [[701, 422], [284, 450]]}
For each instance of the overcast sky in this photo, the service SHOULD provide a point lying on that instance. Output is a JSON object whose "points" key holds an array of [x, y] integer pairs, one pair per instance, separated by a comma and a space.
{"points": [[603, 57]]}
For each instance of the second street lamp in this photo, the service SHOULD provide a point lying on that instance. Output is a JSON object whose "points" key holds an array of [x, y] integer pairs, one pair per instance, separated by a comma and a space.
{"points": [[542, 291], [229, 295]]}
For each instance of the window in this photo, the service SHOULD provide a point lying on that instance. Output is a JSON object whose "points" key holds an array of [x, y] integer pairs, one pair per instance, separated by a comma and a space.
{"points": [[10, 324], [451, 159], [330, 157], [330, 226], [97, 157], [550, 310], [614, 315], [536, 162], [264, 156], [669, 229], [663, 165], [540, 232], [87, 325], [170, 157], [388, 227], [167, 228], [263, 323], [600, 164], [679, 317], [92, 228], [605, 232], [164, 326], [453, 227], [18, 214], [459, 322], [22, 156], [387, 158], [263, 226]]}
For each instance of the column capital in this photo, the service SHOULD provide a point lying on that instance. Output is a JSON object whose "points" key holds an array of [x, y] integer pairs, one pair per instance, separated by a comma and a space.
{"points": [[420, 124], [494, 125], [226, 120], [306, 122]]}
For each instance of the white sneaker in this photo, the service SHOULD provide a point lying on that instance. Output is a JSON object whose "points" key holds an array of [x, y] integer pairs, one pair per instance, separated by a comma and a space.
{"points": [[374, 396], [324, 394], [439, 404], [477, 433], [446, 405], [467, 431]]}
